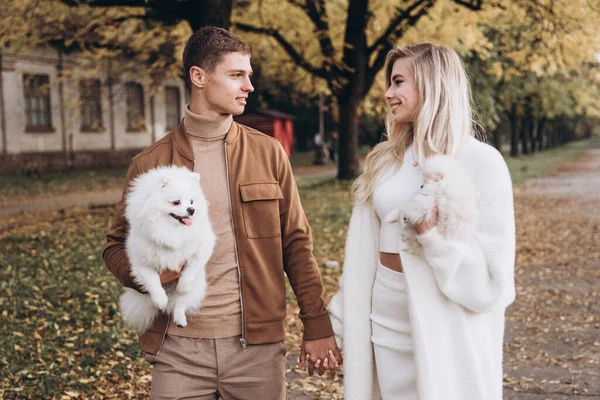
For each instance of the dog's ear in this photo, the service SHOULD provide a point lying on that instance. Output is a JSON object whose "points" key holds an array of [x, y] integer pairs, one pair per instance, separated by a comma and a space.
{"points": [[196, 177]]}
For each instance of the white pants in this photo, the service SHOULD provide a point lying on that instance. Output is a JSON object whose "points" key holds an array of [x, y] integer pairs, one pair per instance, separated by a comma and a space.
{"points": [[392, 340]]}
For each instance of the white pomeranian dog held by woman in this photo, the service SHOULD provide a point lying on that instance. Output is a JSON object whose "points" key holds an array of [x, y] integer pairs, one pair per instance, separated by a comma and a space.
{"points": [[447, 187], [169, 227]]}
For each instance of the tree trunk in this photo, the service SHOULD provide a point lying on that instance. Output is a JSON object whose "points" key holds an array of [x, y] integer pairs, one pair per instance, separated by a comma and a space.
{"points": [[348, 145], [534, 135], [525, 132], [497, 138], [515, 122], [355, 88], [541, 134]]}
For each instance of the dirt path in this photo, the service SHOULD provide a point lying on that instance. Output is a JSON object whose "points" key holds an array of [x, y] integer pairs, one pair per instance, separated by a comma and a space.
{"points": [[552, 340]]}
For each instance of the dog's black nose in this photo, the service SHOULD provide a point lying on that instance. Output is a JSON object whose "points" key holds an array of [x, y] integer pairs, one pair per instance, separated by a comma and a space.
{"points": [[191, 210]]}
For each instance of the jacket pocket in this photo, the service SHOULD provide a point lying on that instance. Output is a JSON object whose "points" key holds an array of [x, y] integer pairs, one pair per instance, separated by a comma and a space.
{"points": [[260, 209]]}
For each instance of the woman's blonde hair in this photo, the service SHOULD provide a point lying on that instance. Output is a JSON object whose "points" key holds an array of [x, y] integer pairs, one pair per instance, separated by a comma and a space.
{"points": [[443, 116]]}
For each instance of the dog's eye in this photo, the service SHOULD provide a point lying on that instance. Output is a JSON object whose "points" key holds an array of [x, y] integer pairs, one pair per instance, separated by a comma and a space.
{"points": [[422, 186], [192, 201], [176, 202]]}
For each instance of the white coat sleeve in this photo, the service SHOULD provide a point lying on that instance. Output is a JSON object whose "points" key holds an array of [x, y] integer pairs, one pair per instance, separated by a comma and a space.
{"points": [[479, 274], [355, 251], [336, 314]]}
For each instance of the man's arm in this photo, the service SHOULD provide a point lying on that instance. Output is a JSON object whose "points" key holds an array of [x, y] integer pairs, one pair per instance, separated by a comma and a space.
{"points": [[318, 348], [299, 263], [114, 254]]}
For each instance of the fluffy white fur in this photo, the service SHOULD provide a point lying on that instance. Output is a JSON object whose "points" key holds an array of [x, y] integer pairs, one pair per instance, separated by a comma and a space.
{"points": [[458, 290], [449, 186], [169, 226]]}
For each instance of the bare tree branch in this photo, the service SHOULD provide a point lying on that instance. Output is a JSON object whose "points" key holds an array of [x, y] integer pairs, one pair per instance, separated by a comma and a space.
{"points": [[317, 13], [474, 5], [392, 28], [297, 3], [403, 21], [287, 46]]}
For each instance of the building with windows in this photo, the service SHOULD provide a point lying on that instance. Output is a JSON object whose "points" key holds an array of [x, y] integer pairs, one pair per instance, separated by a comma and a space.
{"points": [[55, 114]]}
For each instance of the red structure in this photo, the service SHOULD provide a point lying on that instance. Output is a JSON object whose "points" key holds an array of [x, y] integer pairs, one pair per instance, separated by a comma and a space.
{"points": [[273, 123]]}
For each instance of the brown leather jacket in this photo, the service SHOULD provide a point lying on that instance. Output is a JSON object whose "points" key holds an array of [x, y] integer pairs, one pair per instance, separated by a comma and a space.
{"points": [[272, 235]]}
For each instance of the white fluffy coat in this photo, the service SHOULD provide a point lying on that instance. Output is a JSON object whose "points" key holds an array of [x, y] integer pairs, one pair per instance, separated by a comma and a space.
{"points": [[158, 241], [458, 291]]}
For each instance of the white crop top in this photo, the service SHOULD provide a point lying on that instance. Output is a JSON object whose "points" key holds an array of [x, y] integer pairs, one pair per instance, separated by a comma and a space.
{"points": [[392, 190]]}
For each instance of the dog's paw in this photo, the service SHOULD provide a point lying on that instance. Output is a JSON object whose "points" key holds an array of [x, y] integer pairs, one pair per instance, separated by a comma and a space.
{"points": [[160, 300], [184, 286], [179, 318]]}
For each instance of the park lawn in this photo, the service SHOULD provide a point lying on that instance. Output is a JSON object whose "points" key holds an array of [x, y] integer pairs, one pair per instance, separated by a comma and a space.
{"points": [[59, 318], [538, 164], [19, 187]]}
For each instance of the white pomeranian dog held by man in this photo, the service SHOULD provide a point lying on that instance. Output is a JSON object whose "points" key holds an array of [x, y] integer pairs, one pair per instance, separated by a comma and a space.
{"points": [[169, 227], [448, 186]]}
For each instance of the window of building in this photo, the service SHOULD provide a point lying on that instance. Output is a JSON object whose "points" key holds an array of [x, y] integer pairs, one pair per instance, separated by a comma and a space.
{"points": [[135, 107], [36, 90], [173, 106], [91, 105]]}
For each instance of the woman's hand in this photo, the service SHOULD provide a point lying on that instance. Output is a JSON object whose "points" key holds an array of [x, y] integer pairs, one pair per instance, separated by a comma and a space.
{"points": [[426, 226]]}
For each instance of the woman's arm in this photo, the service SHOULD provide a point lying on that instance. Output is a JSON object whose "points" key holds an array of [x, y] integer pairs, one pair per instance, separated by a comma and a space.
{"points": [[479, 273], [336, 314]]}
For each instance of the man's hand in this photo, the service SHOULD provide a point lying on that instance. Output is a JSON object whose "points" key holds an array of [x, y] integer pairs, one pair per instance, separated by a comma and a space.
{"points": [[169, 276], [321, 354]]}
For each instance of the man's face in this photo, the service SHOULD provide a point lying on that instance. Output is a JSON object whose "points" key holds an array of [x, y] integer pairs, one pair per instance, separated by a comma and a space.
{"points": [[227, 87]]}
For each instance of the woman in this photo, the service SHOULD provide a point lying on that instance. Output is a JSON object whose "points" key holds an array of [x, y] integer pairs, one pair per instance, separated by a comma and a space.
{"points": [[429, 324]]}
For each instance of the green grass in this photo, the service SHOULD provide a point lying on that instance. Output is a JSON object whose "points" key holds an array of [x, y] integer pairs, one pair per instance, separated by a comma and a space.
{"points": [[59, 315], [538, 164], [60, 328], [18, 186], [302, 159]]}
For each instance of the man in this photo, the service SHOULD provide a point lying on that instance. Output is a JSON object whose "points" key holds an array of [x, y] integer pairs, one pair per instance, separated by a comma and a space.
{"points": [[234, 346]]}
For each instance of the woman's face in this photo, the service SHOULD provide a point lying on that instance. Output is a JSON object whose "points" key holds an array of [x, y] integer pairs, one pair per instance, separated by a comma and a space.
{"points": [[402, 95]]}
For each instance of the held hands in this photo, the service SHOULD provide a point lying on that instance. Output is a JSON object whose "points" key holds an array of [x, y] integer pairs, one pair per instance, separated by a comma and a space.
{"points": [[426, 226], [321, 354]]}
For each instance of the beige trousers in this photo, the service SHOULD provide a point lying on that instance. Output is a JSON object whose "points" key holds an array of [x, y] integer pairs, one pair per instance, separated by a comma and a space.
{"points": [[203, 369]]}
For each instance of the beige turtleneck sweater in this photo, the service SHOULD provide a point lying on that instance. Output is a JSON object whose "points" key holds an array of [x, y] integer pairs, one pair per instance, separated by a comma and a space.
{"points": [[220, 315]]}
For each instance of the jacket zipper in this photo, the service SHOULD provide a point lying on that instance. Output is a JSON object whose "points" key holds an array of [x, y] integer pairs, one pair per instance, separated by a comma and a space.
{"points": [[237, 261]]}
